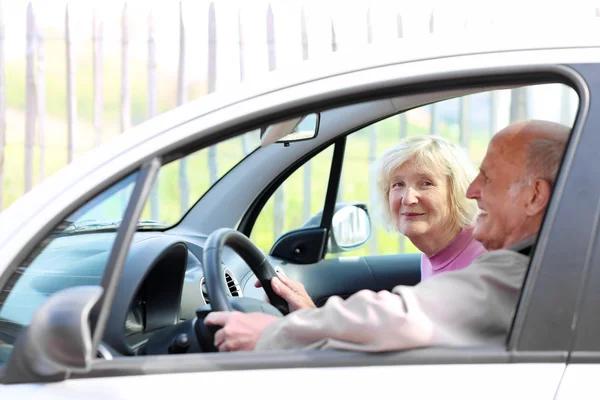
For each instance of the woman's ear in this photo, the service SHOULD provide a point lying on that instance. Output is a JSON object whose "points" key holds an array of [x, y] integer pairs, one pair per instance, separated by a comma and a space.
{"points": [[539, 197]]}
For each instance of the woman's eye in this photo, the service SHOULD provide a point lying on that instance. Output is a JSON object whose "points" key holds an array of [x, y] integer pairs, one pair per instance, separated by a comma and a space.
{"points": [[397, 184], [427, 183]]}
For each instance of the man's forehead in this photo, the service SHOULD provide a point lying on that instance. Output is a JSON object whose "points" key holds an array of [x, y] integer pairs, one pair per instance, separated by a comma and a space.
{"points": [[504, 150]]}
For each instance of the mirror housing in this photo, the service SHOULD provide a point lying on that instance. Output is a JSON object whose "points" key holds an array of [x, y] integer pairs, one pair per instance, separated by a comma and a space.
{"points": [[292, 130], [333, 245], [58, 340]]}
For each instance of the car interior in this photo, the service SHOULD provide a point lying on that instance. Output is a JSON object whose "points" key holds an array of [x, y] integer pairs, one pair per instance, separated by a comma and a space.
{"points": [[166, 287]]}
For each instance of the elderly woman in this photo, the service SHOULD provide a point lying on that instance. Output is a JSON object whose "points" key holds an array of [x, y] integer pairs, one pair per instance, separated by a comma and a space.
{"points": [[422, 184]]}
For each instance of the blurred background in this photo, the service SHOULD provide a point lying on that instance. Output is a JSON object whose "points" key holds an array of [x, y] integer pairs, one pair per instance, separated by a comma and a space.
{"points": [[75, 74]]}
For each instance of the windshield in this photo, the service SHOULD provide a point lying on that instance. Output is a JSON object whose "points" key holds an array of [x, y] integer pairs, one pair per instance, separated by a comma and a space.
{"points": [[181, 183], [177, 188]]}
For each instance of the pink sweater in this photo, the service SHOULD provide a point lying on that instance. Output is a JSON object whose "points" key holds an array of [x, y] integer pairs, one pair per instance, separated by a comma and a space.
{"points": [[458, 254]]}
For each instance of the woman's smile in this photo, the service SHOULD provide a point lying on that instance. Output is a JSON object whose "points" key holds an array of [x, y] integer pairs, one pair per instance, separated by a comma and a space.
{"points": [[411, 215]]}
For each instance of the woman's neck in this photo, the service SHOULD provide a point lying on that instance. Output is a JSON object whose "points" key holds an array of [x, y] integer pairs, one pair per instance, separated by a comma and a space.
{"points": [[430, 244]]}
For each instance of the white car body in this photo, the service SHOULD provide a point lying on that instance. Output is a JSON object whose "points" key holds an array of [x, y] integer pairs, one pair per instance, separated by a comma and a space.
{"points": [[343, 75]]}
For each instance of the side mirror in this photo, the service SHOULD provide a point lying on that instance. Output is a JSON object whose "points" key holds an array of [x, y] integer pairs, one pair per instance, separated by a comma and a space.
{"points": [[350, 228], [58, 340]]}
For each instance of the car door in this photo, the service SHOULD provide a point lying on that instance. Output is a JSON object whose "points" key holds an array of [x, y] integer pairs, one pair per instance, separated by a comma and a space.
{"points": [[580, 377], [532, 361]]}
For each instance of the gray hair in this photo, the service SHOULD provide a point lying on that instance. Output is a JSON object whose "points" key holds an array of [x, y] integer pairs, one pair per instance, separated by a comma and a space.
{"points": [[543, 159], [431, 152]]}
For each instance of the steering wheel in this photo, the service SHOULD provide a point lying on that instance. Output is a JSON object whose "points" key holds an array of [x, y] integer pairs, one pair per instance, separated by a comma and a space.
{"points": [[256, 260]]}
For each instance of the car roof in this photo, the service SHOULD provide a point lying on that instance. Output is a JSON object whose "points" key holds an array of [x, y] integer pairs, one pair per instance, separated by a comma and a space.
{"points": [[427, 47]]}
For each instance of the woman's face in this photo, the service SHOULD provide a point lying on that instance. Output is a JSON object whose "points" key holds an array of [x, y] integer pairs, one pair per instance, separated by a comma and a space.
{"points": [[419, 200]]}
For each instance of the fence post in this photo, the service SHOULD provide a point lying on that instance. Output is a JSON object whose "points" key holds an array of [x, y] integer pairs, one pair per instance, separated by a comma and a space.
{"points": [[465, 121], [245, 143], [98, 28], [518, 104], [279, 196], [182, 98], [333, 38], [152, 106], [565, 105], [29, 98], [464, 118], [402, 118], [306, 187], [493, 112], [2, 105], [372, 129], [125, 92], [434, 124], [402, 124], [41, 99], [212, 83], [71, 103]]}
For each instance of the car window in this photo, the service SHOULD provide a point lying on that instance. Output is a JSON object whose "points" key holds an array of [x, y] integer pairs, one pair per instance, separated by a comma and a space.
{"points": [[75, 253], [181, 183], [296, 203], [469, 121]]}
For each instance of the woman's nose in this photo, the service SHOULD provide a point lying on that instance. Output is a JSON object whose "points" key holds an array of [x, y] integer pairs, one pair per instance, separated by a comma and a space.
{"points": [[410, 197]]}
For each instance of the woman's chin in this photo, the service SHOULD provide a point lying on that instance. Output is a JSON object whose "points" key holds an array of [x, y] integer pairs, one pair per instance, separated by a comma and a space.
{"points": [[412, 233]]}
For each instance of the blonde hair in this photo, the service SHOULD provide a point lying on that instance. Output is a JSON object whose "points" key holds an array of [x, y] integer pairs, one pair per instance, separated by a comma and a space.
{"points": [[432, 152]]}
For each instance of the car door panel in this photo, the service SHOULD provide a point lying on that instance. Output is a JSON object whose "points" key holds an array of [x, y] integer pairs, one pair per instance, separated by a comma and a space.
{"points": [[397, 269], [478, 381], [345, 276]]}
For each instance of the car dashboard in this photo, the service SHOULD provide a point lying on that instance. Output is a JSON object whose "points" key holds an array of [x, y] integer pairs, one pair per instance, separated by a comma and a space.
{"points": [[162, 284]]}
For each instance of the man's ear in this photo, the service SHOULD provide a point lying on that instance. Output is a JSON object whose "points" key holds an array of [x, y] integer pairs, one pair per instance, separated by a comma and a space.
{"points": [[539, 197]]}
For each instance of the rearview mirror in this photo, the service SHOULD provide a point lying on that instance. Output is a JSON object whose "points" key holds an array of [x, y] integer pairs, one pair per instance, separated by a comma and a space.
{"points": [[58, 340], [350, 228], [292, 130]]}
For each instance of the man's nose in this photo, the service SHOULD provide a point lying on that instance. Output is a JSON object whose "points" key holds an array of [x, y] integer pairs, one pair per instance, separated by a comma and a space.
{"points": [[410, 197], [473, 191]]}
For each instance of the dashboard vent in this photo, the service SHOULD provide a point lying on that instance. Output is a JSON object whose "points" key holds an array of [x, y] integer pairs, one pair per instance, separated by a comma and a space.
{"points": [[232, 284], [204, 291], [235, 290]]}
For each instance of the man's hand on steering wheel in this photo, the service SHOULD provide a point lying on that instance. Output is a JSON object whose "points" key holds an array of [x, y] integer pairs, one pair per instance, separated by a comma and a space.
{"points": [[240, 331], [292, 292]]}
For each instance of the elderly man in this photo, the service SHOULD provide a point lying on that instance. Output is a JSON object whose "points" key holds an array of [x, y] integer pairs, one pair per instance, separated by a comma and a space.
{"points": [[473, 306]]}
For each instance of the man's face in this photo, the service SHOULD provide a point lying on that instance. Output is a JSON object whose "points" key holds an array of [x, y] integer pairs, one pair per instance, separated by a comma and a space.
{"points": [[499, 192]]}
